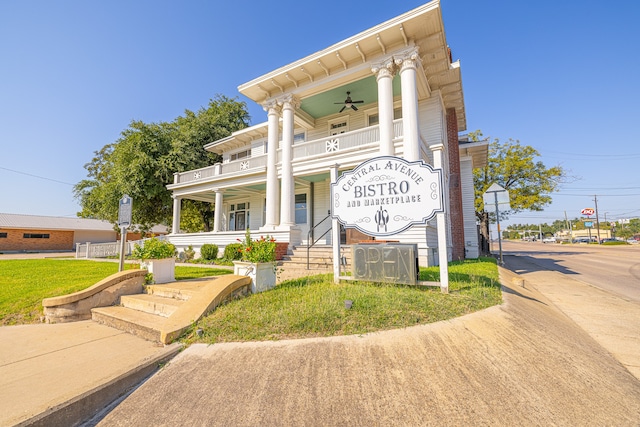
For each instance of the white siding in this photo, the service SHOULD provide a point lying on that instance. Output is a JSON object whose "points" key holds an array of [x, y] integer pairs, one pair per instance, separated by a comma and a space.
{"points": [[468, 208], [432, 120]]}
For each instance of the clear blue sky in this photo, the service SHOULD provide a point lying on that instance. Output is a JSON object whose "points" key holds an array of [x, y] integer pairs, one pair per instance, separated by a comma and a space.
{"points": [[561, 76]]}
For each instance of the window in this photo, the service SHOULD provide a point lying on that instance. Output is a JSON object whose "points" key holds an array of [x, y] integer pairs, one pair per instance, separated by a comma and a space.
{"points": [[374, 118], [298, 138], [240, 155], [35, 236], [338, 126], [238, 216], [301, 208], [3, 235]]}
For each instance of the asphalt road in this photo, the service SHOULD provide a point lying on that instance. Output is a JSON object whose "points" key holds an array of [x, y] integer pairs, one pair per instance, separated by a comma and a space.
{"points": [[614, 269]]}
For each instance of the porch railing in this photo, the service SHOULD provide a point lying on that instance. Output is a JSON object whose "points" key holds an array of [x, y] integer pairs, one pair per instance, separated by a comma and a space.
{"points": [[318, 147], [310, 238]]}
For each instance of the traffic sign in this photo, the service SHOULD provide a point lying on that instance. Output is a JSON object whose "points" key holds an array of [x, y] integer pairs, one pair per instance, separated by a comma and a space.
{"points": [[124, 212], [587, 211]]}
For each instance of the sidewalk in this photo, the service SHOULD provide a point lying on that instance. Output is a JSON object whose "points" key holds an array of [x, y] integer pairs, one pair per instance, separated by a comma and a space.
{"points": [[51, 373], [609, 319], [521, 363], [524, 362]]}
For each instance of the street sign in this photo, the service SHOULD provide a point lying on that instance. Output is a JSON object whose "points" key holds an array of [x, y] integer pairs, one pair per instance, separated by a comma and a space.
{"points": [[386, 195], [496, 194], [124, 212], [587, 211]]}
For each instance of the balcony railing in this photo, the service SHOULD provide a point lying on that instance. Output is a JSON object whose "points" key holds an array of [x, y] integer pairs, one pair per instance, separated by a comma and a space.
{"points": [[323, 146]]}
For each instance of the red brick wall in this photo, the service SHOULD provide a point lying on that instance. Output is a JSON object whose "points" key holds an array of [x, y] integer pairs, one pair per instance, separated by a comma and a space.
{"points": [[15, 241], [281, 250], [455, 189]]}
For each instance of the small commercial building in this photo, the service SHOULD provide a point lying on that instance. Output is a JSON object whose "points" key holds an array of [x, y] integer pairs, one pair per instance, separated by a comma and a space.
{"points": [[35, 233]]}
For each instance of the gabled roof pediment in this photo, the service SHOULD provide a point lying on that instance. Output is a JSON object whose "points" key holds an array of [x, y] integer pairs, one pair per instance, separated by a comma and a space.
{"points": [[351, 60]]}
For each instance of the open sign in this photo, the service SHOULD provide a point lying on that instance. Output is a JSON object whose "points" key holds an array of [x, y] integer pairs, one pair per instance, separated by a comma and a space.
{"points": [[587, 211]]}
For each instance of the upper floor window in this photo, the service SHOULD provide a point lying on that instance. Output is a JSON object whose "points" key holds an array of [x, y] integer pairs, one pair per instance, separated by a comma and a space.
{"points": [[240, 155], [338, 126], [298, 137], [374, 119], [3, 235]]}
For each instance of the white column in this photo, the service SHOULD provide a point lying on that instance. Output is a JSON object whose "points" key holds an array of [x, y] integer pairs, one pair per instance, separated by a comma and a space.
{"points": [[441, 223], [384, 77], [411, 132], [217, 213], [175, 227], [273, 196], [287, 190]]}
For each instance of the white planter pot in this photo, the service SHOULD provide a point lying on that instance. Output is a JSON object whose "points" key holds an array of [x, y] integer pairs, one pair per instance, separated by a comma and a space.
{"points": [[262, 274], [163, 270]]}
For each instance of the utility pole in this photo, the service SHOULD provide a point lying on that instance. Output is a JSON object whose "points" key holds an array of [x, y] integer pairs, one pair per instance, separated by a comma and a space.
{"points": [[595, 200], [566, 223], [540, 232]]}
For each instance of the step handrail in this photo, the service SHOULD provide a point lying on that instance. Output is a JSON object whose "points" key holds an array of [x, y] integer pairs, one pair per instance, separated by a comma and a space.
{"points": [[311, 242]]}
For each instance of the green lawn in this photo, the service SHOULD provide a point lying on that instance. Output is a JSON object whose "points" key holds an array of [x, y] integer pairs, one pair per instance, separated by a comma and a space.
{"points": [[307, 307], [315, 306], [25, 283]]}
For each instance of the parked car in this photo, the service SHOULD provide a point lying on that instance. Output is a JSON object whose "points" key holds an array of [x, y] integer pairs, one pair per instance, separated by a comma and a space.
{"points": [[549, 240], [633, 241], [609, 239], [583, 240]]}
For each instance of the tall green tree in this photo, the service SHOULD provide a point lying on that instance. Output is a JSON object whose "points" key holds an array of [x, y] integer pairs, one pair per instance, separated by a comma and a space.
{"points": [[514, 167], [141, 163]]}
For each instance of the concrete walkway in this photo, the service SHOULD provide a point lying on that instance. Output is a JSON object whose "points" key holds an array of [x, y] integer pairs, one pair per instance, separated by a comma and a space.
{"points": [[522, 363], [525, 362], [53, 374]]}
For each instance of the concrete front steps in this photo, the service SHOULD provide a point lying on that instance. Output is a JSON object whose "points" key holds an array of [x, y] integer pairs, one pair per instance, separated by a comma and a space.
{"points": [[294, 265], [165, 311]]}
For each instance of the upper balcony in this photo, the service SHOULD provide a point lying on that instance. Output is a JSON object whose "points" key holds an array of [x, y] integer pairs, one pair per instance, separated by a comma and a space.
{"points": [[335, 145]]}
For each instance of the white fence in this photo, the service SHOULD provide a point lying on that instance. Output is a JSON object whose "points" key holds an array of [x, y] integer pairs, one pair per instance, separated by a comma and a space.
{"points": [[103, 250]]}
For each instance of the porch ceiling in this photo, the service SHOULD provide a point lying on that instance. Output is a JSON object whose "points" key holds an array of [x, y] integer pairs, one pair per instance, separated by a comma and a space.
{"points": [[323, 78]]}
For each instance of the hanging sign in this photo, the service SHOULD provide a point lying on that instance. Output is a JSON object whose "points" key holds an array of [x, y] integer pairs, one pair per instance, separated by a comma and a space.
{"points": [[386, 195]]}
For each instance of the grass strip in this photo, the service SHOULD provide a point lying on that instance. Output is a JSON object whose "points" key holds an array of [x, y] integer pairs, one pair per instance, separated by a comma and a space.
{"points": [[315, 306]]}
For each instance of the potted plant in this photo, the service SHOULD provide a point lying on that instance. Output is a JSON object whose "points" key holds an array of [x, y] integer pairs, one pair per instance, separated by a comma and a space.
{"points": [[258, 262], [157, 256]]}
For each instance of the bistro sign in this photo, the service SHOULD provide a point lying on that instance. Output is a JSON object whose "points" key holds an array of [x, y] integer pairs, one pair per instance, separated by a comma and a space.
{"points": [[387, 195]]}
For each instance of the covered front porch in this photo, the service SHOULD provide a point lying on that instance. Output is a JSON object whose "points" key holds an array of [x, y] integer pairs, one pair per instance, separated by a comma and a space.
{"points": [[238, 190]]}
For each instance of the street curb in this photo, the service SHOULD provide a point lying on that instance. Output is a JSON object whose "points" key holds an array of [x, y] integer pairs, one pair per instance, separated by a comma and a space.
{"points": [[85, 406], [513, 278]]}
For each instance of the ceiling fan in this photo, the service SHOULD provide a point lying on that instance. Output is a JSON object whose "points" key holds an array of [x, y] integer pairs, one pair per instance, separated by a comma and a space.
{"points": [[349, 103]]}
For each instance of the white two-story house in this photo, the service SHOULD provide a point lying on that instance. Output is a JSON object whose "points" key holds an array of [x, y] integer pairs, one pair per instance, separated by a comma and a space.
{"points": [[390, 90]]}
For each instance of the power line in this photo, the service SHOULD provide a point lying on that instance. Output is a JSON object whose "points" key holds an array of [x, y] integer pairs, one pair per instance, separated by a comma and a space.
{"points": [[37, 176], [622, 156]]}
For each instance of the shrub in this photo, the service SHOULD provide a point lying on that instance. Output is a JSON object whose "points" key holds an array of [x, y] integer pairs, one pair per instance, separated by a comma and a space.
{"points": [[189, 253], [260, 250], [209, 251], [232, 252], [154, 249]]}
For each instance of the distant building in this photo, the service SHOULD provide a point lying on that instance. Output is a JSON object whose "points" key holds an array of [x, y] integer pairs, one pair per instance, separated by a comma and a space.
{"points": [[34, 233]]}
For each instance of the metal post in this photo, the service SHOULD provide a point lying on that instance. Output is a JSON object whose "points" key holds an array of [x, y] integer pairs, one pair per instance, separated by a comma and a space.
{"points": [[123, 240], [495, 195]]}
